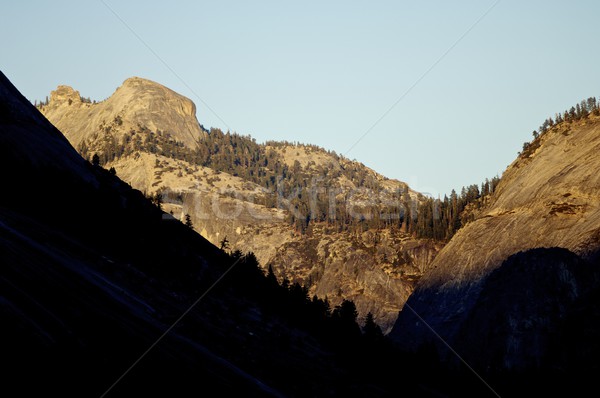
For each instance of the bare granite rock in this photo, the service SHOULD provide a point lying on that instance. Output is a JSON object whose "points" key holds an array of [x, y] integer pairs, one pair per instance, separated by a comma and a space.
{"points": [[137, 103]]}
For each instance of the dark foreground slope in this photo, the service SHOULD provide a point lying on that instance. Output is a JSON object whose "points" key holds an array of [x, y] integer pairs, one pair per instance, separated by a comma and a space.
{"points": [[91, 275], [522, 318]]}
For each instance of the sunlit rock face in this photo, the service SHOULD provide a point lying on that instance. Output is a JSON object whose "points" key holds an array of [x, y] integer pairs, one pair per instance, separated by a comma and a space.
{"points": [[548, 197]]}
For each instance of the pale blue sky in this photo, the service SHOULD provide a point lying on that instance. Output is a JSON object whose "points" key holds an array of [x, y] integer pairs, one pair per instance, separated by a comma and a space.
{"points": [[323, 72]]}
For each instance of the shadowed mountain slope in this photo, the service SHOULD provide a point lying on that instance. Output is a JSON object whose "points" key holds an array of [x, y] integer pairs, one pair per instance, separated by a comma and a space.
{"points": [[92, 273]]}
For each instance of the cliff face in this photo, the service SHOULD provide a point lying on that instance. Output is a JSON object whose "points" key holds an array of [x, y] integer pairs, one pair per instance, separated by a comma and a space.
{"points": [[548, 197], [138, 102], [375, 269]]}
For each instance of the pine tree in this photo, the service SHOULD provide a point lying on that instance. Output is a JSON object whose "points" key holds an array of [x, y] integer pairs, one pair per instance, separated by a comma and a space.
{"points": [[96, 160], [188, 221], [271, 278], [157, 199], [371, 330], [558, 117], [346, 312]]}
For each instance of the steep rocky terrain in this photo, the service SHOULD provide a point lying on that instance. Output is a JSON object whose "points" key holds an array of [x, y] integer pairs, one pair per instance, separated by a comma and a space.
{"points": [[139, 131], [548, 197], [374, 269]]}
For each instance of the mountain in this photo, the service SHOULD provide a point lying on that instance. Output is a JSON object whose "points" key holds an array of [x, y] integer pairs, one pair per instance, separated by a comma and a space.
{"points": [[102, 293], [488, 280], [317, 218]]}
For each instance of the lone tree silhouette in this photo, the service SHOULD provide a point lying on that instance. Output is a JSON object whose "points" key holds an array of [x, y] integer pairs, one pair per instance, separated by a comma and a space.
{"points": [[157, 199], [188, 221], [371, 330]]}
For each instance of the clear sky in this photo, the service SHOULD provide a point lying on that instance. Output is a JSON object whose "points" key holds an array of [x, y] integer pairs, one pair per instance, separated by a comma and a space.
{"points": [[324, 72]]}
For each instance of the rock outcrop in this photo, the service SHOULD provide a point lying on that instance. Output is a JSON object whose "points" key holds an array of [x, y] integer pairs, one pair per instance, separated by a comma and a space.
{"points": [[137, 103], [377, 270]]}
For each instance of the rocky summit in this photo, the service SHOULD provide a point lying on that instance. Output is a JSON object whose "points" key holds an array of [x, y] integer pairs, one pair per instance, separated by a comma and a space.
{"points": [[138, 102]]}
